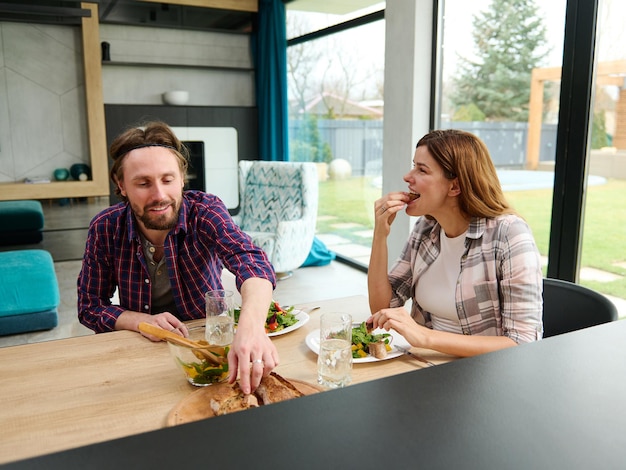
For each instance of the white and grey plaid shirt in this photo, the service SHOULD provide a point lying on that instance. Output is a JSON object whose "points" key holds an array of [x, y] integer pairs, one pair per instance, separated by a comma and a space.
{"points": [[500, 285]]}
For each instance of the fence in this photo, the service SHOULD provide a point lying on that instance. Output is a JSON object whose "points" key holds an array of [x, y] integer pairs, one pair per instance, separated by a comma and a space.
{"points": [[361, 142]]}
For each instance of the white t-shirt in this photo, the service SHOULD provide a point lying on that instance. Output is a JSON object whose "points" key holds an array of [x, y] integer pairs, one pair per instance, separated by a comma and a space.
{"points": [[435, 290]]}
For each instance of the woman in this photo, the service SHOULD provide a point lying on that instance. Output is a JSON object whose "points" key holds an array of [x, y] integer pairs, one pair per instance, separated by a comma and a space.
{"points": [[470, 265]]}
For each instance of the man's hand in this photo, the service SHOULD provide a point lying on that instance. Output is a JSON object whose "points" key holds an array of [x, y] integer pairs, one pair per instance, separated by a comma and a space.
{"points": [[130, 320], [252, 354]]}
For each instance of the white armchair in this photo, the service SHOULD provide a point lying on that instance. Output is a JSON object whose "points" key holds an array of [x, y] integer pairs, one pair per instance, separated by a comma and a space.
{"points": [[278, 209]]}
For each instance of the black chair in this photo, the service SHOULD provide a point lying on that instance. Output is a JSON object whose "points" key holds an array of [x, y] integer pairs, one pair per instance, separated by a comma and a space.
{"points": [[569, 307]]}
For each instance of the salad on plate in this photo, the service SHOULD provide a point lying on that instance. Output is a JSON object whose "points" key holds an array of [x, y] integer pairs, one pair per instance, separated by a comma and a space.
{"points": [[366, 343], [278, 318]]}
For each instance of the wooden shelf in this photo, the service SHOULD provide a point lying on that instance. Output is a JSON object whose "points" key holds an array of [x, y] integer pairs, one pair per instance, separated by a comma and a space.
{"points": [[180, 66], [52, 190], [239, 5]]}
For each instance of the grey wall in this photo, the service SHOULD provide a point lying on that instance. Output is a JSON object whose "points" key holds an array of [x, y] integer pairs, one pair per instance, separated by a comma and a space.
{"points": [[42, 100], [216, 68]]}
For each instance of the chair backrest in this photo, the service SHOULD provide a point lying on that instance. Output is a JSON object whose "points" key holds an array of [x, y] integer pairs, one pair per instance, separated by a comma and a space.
{"points": [[568, 307], [276, 191]]}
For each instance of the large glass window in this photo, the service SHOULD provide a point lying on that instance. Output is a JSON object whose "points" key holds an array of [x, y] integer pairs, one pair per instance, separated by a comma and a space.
{"points": [[603, 260], [335, 89], [500, 80], [500, 68]]}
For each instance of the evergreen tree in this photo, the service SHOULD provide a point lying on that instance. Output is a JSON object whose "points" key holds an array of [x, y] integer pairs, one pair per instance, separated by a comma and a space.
{"points": [[307, 145], [599, 137], [468, 112], [510, 41]]}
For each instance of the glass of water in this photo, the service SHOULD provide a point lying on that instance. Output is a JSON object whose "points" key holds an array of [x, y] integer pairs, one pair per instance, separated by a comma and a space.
{"points": [[334, 363], [220, 317]]}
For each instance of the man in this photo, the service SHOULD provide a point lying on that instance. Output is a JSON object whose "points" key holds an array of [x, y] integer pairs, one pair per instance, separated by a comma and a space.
{"points": [[163, 249]]}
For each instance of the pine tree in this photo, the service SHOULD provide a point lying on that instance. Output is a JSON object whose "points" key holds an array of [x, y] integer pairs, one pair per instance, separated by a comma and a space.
{"points": [[510, 41]]}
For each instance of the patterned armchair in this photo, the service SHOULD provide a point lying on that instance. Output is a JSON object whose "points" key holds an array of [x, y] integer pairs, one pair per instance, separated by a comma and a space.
{"points": [[278, 209]]}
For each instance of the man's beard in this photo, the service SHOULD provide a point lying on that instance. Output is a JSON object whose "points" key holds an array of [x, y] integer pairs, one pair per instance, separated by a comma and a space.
{"points": [[160, 222]]}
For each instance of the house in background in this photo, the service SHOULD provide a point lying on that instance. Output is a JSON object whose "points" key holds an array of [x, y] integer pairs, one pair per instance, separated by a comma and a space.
{"points": [[330, 106]]}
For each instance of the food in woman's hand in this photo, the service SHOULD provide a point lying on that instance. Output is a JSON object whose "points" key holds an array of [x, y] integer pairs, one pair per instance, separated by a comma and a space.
{"points": [[413, 196], [365, 343], [277, 318], [227, 398]]}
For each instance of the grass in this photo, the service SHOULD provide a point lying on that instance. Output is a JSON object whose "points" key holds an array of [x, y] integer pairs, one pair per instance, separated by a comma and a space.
{"points": [[351, 201], [347, 201], [604, 229]]}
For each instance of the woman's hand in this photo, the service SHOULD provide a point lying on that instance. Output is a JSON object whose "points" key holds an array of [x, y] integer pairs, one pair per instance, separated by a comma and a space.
{"points": [[399, 320], [454, 344], [385, 210]]}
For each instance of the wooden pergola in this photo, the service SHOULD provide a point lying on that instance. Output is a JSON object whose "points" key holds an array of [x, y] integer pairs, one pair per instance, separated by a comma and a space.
{"points": [[608, 73]]}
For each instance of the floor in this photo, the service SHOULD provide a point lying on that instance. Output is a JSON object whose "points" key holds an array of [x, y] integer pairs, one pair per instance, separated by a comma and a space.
{"points": [[64, 237]]}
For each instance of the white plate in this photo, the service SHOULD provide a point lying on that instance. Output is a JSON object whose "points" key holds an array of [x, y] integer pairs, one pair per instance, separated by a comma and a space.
{"points": [[302, 318], [313, 342]]}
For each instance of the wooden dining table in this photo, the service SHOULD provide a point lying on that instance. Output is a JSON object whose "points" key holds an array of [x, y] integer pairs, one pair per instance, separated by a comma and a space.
{"points": [[73, 392]]}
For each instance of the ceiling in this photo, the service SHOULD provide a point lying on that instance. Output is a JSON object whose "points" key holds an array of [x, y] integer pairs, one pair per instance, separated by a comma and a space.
{"points": [[131, 12], [135, 12]]}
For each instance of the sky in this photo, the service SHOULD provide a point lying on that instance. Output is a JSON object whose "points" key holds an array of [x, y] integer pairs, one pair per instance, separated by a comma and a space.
{"points": [[458, 31], [458, 21]]}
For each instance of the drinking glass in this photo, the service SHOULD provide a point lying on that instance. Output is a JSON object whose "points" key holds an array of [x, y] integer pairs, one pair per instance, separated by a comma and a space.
{"points": [[334, 363], [220, 317]]}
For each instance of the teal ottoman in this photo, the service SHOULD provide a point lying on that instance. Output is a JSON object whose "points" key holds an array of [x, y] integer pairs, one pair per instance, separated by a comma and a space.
{"points": [[29, 292], [21, 222]]}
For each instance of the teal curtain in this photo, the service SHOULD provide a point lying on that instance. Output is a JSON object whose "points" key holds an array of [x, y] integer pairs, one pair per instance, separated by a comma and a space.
{"points": [[269, 51]]}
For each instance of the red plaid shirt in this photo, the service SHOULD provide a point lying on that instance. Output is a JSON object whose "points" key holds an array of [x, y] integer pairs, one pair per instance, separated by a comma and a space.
{"points": [[205, 240]]}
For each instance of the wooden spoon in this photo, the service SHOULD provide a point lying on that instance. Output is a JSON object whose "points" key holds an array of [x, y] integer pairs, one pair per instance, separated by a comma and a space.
{"points": [[213, 354], [167, 335]]}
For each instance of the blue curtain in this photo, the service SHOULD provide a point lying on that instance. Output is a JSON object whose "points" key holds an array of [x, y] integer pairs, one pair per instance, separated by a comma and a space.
{"points": [[269, 50]]}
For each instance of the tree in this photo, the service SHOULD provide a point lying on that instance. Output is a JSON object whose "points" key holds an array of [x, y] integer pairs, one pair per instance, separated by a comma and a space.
{"points": [[302, 60], [306, 145], [599, 138], [509, 38], [331, 66], [468, 112]]}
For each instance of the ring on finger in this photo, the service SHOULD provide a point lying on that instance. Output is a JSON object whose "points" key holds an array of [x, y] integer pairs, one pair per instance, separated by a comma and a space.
{"points": [[256, 361]]}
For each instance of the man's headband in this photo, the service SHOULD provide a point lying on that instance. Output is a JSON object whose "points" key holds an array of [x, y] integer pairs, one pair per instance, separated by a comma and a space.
{"points": [[124, 152]]}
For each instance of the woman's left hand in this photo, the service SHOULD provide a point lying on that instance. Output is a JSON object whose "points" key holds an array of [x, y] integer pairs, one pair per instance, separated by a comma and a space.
{"points": [[399, 320]]}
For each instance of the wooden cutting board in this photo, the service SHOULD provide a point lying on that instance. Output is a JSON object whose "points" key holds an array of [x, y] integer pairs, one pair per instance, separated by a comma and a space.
{"points": [[197, 405]]}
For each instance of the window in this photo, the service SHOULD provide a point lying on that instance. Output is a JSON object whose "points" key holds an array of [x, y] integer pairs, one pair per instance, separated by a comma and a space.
{"points": [[519, 70], [487, 87], [336, 120], [603, 260]]}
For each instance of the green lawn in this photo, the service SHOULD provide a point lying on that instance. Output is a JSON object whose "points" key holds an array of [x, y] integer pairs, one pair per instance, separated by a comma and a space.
{"points": [[604, 236], [604, 233], [350, 200]]}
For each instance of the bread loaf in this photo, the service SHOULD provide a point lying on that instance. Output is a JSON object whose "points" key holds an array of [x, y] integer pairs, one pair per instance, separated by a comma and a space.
{"points": [[227, 398]]}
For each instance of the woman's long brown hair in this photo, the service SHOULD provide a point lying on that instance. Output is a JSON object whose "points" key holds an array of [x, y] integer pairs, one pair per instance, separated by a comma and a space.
{"points": [[464, 156]]}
